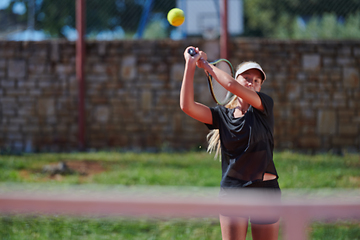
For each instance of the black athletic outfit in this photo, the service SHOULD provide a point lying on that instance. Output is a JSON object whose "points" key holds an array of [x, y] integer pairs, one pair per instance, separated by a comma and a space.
{"points": [[247, 145]]}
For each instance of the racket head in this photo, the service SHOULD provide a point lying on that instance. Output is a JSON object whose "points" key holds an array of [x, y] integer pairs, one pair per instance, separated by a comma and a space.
{"points": [[220, 95]]}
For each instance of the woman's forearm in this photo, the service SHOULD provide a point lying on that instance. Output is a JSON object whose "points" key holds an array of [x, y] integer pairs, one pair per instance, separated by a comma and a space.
{"points": [[230, 84], [187, 87]]}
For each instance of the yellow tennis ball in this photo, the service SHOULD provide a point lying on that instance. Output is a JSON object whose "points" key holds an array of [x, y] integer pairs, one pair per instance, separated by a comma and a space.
{"points": [[176, 17]]}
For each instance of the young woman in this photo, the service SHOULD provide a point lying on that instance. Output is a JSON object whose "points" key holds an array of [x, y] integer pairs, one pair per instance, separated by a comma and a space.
{"points": [[243, 132]]}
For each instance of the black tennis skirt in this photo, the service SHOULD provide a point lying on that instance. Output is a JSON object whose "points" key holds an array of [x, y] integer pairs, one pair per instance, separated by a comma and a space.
{"points": [[270, 189]]}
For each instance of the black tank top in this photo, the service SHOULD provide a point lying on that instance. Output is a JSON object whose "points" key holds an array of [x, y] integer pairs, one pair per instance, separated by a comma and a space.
{"points": [[247, 143]]}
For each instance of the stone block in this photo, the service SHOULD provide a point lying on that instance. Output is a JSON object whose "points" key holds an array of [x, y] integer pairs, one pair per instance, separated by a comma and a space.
{"points": [[65, 69], [309, 142], [30, 129], [16, 92], [23, 83], [47, 129], [349, 129], [326, 50], [132, 127], [281, 76], [301, 76], [346, 113], [311, 61], [326, 122], [177, 122], [344, 50], [177, 72], [24, 112], [328, 61], [354, 104], [55, 51], [99, 68], [2, 63], [36, 67], [73, 85], [343, 61], [8, 112], [146, 100], [338, 103], [335, 76], [35, 92], [212, 49], [17, 69], [145, 68], [46, 107], [14, 135], [102, 114], [6, 101], [351, 77], [339, 99], [128, 68], [45, 83], [101, 49], [357, 51], [7, 83], [343, 141]]}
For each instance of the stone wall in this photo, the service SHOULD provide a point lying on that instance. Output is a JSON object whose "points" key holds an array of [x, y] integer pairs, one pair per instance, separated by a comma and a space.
{"points": [[132, 94]]}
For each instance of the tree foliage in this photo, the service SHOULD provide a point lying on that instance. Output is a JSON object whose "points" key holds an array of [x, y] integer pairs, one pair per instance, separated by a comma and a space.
{"points": [[52, 16], [263, 18], [278, 18], [327, 27]]}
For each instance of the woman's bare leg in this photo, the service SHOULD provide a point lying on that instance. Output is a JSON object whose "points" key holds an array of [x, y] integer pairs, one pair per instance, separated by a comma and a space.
{"points": [[265, 231], [233, 228]]}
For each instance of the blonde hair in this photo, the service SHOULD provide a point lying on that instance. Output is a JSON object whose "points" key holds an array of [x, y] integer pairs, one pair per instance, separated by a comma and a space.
{"points": [[213, 136]]}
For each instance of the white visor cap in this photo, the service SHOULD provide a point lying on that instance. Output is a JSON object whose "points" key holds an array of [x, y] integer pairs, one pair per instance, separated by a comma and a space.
{"points": [[248, 66]]}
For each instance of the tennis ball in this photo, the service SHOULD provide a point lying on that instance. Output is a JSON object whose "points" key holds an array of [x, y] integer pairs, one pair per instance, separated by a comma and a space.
{"points": [[176, 17]]}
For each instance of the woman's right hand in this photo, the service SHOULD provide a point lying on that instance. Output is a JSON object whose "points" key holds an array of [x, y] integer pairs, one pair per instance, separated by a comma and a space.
{"points": [[202, 60]]}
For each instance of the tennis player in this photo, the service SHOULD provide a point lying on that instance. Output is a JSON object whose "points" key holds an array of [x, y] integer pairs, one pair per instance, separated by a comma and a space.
{"points": [[242, 132]]}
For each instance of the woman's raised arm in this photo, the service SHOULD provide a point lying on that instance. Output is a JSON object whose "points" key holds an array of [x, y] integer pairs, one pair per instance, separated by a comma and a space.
{"points": [[194, 109]]}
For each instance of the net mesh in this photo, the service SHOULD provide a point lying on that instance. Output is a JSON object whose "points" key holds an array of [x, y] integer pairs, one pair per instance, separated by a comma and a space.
{"points": [[99, 212]]}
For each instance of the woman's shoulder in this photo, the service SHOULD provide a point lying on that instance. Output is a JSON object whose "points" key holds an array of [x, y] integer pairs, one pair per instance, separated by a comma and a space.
{"points": [[265, 98], [220, 109], [262, 94]]}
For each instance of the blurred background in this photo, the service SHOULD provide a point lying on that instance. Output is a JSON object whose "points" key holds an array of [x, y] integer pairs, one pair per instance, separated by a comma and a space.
{"points": [[131, 19]]}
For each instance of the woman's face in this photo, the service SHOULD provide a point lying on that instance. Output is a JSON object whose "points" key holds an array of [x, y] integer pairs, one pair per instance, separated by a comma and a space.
{"points": [[251, 79]]}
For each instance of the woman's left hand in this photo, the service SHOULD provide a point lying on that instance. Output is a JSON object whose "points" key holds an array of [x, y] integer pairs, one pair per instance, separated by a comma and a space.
{"points": [[201, 63]]}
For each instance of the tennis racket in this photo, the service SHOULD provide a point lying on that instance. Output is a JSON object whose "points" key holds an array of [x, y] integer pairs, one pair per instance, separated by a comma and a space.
{"points": [[220, 95]]}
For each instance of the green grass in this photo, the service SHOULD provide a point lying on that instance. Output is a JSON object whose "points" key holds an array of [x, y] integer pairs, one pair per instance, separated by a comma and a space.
{"points": [[199, 169], [54, 228], [318, 171], [341, 230], [164, 169]]}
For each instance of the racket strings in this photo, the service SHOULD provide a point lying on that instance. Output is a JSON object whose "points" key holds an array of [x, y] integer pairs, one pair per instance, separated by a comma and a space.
{"points": [[219, 93]]}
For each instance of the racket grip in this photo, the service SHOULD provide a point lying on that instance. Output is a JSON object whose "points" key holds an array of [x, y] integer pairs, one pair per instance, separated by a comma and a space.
{"points": [[192, 51]]}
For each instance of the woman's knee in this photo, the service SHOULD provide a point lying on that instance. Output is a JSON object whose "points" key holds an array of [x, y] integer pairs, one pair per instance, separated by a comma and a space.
{"points": [[233, 227]]}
